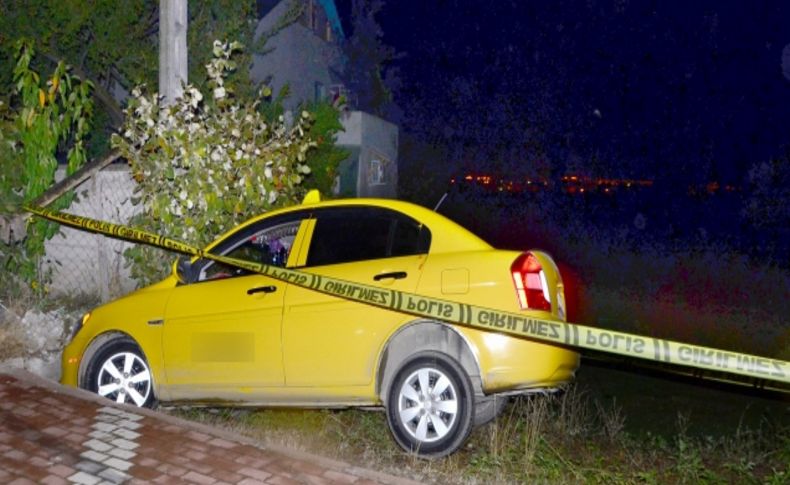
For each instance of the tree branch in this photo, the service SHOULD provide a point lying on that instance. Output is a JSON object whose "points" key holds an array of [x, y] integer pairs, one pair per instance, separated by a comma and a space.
{"points": [[104, 96], [84, 173], [13, 227]]}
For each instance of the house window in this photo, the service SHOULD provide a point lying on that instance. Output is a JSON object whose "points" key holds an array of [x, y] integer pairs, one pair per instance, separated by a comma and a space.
{"points": [[377, 171], [320, 91]]}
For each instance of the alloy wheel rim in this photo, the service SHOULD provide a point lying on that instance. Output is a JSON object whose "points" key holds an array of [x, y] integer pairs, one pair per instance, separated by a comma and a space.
{"points": [[428, 404], [124, 378]]}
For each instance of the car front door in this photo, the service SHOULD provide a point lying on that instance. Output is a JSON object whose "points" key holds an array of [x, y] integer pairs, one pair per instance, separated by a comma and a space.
{"points": [[222, 333], [332, 342]]}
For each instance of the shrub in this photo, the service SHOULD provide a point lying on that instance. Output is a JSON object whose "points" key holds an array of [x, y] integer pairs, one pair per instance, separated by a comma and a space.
{"points": [[39, 124], [206, 163]]}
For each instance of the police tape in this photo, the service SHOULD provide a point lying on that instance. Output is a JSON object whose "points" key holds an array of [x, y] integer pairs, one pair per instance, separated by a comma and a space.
{"points": [[488, 319]]}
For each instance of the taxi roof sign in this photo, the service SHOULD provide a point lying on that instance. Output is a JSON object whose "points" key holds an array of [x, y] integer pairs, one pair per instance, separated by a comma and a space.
{"points": [[312, 197]]}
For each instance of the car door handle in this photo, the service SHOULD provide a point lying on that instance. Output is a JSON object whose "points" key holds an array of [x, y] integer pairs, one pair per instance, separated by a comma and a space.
{"points": [[262, 289], [395, 275]]}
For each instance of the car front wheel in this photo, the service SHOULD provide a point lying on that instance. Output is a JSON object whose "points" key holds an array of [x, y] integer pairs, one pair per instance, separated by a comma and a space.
{"points": [[430, 407], [119, 371]]}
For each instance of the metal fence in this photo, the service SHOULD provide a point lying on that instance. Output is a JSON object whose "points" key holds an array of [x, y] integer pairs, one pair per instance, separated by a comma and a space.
{"points": [[86, 264]]}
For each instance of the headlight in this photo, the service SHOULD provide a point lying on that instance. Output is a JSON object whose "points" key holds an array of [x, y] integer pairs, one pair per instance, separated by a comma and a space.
{"points": [[76, 329]]}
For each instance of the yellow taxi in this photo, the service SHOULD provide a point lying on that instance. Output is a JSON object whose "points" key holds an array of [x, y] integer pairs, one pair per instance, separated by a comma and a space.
{"points": [[213, 334]]}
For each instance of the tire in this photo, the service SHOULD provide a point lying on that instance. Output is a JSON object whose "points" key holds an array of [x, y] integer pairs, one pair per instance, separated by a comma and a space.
{"points": [[119, 371], [430, 406], [488, 408]]}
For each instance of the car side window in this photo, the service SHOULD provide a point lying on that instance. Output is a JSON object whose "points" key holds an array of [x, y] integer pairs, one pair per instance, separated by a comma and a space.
{"points": [[350, 234], [269, 245]]}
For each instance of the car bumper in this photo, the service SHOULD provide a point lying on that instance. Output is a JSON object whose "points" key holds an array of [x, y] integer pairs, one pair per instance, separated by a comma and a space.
{"points": [[512, 363], [70, 364]]}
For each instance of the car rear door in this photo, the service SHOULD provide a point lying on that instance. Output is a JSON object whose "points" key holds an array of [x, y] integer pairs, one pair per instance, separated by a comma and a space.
{"points": [[329, 341], [221, 333]]}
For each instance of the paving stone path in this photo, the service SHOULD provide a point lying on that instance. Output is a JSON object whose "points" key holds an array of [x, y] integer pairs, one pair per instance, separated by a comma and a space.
{"points": [[50, 434]]}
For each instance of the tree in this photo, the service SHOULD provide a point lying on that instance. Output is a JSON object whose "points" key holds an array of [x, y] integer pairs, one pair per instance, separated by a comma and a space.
{"points": [[208, 162], [113, 45], [42, 120], [366, 61], [325, 157]]}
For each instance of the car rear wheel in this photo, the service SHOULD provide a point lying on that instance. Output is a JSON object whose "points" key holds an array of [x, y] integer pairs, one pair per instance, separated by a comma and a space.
{"points": [[119, 371], [430, 407]]}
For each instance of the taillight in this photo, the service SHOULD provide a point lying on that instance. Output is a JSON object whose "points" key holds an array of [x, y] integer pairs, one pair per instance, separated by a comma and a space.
{"points": [[530, 282]]}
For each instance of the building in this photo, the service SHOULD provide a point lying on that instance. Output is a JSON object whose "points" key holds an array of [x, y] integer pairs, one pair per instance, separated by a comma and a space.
{"points": [[306, 56]]}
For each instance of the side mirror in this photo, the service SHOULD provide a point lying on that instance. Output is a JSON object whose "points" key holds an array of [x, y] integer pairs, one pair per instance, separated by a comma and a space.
{"points": [[183, 270]]}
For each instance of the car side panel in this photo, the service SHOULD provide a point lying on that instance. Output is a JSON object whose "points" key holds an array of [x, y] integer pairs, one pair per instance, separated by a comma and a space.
{"points": [[135, 315], [329, 341], [482, 278], [222, 336]]}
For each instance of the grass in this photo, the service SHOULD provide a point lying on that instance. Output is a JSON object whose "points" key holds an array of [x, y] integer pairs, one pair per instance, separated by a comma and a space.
{"points": [[723, 302], [570, 437], [12, 342]]}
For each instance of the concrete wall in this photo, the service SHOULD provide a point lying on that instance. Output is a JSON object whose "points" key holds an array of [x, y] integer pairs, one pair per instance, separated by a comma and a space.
{"points": [[376, 143], [89, 264]]}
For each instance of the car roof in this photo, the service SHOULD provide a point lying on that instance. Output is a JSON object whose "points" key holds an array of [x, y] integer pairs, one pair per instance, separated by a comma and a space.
{"points": [[446, 235]]}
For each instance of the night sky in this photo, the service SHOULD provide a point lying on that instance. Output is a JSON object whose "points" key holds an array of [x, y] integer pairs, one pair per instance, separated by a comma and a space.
{"points": [[681, 90]]}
